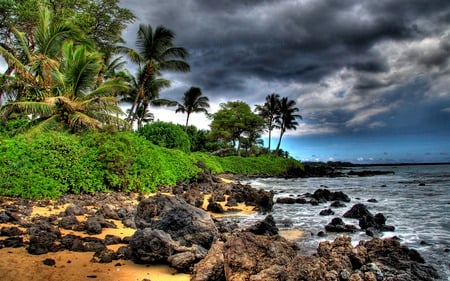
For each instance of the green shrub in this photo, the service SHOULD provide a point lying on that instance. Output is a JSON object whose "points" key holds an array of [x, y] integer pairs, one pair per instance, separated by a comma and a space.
{"points": [[48, 165], [166, 135]]}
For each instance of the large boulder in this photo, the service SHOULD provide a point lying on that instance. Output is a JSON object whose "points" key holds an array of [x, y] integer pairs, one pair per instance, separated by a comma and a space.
{"points": [[186, 224], [358, 211], [247, 255]]}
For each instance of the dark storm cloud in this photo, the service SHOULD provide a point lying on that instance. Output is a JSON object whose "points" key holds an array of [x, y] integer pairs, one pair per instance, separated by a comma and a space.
{"points": [[366, 52]]}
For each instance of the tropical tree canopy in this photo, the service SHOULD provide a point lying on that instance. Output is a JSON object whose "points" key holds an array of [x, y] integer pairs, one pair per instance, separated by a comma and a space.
{"points": [[235, 121], [155, 53], [55, 82], [193, 102], [101, 20]]}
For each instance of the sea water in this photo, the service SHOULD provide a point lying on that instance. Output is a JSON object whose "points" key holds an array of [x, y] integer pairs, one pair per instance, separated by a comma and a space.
{"points": [[415, 199]]}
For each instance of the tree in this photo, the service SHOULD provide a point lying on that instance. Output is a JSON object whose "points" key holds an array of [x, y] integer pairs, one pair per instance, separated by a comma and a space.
{"points": [[270, 111], [155, 52], [193, 102], [101, 20], [288, 118], [30, 64], [74, 103], [235, 121]]}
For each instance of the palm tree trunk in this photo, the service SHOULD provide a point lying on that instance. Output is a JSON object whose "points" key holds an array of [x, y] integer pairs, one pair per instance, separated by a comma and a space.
{"points": [[279, 141], [270, 138], [187, 122], [132, 114]]}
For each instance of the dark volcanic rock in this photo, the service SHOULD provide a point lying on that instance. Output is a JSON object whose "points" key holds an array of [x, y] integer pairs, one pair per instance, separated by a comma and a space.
{"points": [[286, 200], [261, 199], [211, 268], [215, 207], [42, 243], [184, 223], [104, 256], [337, 204], [265, 227], [358, 211], [326, 212], [338, 225], [69, 222]]}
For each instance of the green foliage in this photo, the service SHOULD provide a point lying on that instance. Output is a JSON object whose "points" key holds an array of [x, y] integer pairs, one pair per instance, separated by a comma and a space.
{"points": [[47, 166], [261, 165], [236, 123], [166, 135]]}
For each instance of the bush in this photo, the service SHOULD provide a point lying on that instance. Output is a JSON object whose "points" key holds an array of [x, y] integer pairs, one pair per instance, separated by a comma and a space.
{"points": [[166, 135], [48, 165]]}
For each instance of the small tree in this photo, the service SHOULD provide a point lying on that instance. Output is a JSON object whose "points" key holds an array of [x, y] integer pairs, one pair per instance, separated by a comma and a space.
{"points": [[166, 135], [234, 122]]}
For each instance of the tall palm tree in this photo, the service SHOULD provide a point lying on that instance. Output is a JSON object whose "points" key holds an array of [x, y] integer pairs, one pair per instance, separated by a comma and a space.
{"points": [[155, 52], [270, 111], [75, 101], [288, 118], [193, 102]]}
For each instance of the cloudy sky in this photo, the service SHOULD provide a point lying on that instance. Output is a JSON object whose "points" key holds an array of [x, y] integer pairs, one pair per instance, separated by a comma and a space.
{"points": [[371, 78]]}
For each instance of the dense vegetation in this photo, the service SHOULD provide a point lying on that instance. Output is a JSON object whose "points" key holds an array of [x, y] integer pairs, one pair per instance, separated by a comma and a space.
{"points": [[62, 128], [55, 163]]}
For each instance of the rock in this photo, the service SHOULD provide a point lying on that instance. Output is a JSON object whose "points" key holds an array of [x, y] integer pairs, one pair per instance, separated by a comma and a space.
{"points": [[337, 204], [4, 217], [339, 196], [266, 227], [109, 212], [338, 225], [182, 261], [194, 197], [93, 225], [184, 223], [10, 231], [286, 200], [261, 199], [42, 243], [112, 240], [151, 246], [75, 210], [104, 256], [49, 262], [326, 212], [358, 211], [215, 207], [372, 200], [13, 242], [301, 200], [211, 268], [322, 194], [69, 222], [261, 253]]}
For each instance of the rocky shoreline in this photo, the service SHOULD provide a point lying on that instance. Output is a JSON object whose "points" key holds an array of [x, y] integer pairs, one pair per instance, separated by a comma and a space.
{"points": [[175, 227]]}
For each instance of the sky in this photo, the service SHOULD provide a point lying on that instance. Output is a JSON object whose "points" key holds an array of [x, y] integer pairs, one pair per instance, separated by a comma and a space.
{"points": [[371, 78]]}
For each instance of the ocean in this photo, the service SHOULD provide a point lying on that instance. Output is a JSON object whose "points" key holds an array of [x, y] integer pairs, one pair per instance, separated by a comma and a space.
{"points": [[415, 200]]}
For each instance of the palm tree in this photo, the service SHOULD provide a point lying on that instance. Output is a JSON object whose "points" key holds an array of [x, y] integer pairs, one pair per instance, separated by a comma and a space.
{"points": [[30, 65], [193, 102], [75, 101], [270, 111], [287, 118], [151, 90], [155, 52]]}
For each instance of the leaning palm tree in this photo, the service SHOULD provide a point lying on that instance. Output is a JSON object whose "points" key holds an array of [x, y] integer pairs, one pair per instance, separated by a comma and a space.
{"points": [[76, 103], [155, 52], [287, 118], [270, 111], [193, 102], [150, 93]]}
